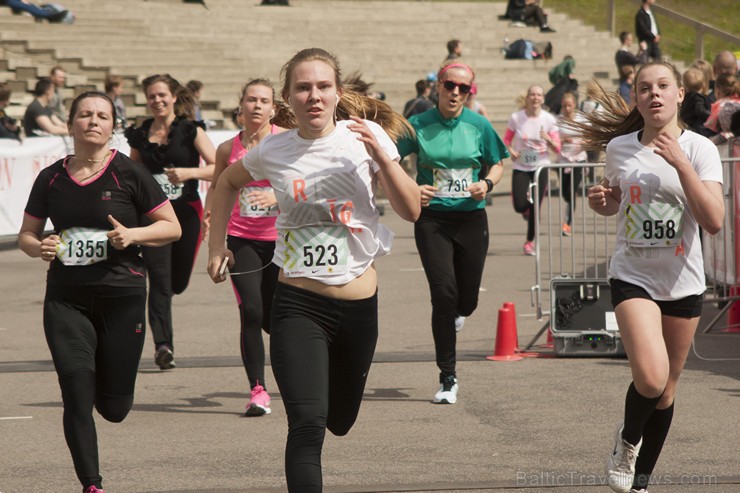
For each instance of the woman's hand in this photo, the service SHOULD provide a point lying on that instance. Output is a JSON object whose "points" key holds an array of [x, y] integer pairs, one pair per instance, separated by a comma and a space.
{"points": [[48, 247], [205, 225], [478, 190], [667, 147], [216, 258], [120, 236], [514, 154], [427, 194], [179, 175], [262, 199], [367, 137], [598, 194]]}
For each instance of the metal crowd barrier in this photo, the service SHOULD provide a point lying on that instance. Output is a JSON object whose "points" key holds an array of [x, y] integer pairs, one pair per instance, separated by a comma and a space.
{"points": [[585, 253]]}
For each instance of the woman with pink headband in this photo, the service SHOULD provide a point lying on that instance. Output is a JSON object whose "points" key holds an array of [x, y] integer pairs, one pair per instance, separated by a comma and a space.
{"points": [[459, 160]]}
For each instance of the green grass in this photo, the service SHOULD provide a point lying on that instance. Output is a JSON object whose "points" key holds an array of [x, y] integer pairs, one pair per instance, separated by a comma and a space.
{"points": [[677, 40]]}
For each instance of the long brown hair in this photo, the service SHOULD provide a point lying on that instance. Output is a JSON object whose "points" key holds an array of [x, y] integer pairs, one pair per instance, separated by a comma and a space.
{"points": [[185, 102], [617, 118], [350, 103]]}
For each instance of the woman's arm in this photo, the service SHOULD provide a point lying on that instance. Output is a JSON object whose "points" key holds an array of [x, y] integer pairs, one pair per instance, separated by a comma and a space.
{"points": [[603, 199], [165, 228], [51, 125], [222, 162], [227, 187], [703, 197], [30, 242], [403, 192]]}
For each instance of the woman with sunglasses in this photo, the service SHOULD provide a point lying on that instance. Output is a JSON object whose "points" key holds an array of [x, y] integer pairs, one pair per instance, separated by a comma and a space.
{"points": [[459, 160], [530, 136]]}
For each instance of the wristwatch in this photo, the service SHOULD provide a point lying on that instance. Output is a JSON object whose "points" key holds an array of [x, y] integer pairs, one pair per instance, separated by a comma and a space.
{"points": [[490, 185]]}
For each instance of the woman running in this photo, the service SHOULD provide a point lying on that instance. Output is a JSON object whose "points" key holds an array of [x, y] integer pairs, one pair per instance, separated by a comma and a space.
{"points": [[530, 135], [571, 151], [663, 183], [251, 237], [96, 284], [459, 161], [171, 146], [324, 323]]}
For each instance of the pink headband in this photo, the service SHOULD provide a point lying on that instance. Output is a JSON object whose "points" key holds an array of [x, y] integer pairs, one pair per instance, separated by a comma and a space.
{"points": [[456, 65]]}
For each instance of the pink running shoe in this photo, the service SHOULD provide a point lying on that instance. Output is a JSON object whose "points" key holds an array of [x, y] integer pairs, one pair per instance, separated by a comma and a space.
{"points": [[259, 404], [93, 489], [529, 248]]}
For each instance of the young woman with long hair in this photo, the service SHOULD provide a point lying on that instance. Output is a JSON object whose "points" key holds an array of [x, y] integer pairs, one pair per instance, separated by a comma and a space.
{"points": [[663, 183]]}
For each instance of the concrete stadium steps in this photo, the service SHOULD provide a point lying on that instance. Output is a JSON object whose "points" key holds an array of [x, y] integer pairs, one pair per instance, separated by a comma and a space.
{"points": [[393, 44]]}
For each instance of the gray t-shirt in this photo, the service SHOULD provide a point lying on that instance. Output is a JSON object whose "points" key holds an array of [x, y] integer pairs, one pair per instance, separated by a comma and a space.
{"points": [[34, 110]]}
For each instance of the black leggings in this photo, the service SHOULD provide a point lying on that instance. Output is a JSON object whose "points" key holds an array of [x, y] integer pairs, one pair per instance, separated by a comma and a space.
{"points": [[321, 349], [453, 247], [569, 188], [254, 292], [169, 269], [520, 181], [95, 335]]}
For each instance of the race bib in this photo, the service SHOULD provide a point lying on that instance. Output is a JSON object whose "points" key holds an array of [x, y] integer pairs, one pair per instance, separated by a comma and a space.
{"points": [[171, 190], [82, 246], [316, 251], [246, 209], [654, 225], [529, 157], [453, 182]]}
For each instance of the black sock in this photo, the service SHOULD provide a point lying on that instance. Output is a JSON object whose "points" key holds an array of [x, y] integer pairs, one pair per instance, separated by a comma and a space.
{"points": [[637, 410], [653, 436]]}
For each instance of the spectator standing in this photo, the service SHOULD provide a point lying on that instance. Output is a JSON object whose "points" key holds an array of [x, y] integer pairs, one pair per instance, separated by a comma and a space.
{"points": [[114, 89], [421, 102], [625, 83], [727, 88], [39, 119], [724, 63], [58, 77], [9, 128], [624, 54], [695, 107], [647, 30], [454, 50]]}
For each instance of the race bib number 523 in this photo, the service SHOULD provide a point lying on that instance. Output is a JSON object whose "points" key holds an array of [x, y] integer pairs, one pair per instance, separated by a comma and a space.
{"points": [[316, 251]]}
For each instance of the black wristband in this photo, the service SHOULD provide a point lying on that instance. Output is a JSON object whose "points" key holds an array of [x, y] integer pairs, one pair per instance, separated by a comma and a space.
{"points": [[490, 185]]}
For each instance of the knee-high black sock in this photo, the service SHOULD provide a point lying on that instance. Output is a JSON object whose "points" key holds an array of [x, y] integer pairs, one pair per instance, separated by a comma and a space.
{"points": [[637, 410], [653, 436]]}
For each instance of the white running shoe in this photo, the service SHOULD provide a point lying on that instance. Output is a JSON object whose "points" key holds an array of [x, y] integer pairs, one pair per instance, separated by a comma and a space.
{"points": [[447, 393], [459, 322], [641, 490], [620, 467]]}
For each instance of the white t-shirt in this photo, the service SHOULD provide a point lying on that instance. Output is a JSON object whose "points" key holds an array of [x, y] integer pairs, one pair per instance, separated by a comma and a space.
{"points": [[328, 226], [658, 245], [571, 152], [527, 142]]}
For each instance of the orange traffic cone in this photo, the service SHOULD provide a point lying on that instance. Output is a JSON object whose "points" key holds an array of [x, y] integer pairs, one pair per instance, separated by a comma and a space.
{"points": [[510, 306], [506, 338], [550, 343]]}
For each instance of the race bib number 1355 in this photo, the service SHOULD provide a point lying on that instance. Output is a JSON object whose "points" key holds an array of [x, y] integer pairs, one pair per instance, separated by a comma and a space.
{"points": [[82, 246]]}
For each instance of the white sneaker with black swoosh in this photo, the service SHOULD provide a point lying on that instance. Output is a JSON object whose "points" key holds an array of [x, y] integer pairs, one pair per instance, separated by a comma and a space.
{"points": [[620, 466]]}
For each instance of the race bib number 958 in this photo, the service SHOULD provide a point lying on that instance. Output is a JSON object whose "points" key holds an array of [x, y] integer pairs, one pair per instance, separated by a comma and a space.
{"points": [[654, 225]]}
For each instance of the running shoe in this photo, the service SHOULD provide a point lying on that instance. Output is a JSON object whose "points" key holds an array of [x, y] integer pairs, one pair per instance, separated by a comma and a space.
{"points": [[93, 489], [164, 358], [620, 467], [459, 322], [641, 490], [447, 393], [529, 248], [547, 29], [566, 229], [259, 404]]}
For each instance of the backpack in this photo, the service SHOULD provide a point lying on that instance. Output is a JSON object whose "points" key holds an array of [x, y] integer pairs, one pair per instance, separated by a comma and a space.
{"points": [[57, 10]]}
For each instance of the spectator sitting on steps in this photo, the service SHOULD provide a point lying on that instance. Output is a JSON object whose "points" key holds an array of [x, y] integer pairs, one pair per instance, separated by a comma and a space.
{"points": [[39, 120], [624, 55], [37, 12], [528, 12], [9, 128]]}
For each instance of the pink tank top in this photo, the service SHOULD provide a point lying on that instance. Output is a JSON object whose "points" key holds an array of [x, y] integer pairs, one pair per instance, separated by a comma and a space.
{"points": [[249, 221]]}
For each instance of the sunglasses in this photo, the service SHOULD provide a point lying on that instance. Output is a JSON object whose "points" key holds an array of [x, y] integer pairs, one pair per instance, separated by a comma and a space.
{"points": [[450, 86]]}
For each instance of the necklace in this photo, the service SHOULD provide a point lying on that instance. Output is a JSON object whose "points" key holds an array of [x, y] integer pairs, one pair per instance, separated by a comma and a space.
{"points": [[248, 143], [94, 161]]}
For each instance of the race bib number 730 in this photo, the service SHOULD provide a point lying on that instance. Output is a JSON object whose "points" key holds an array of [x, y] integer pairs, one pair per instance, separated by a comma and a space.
{"points": [[453, 182]]}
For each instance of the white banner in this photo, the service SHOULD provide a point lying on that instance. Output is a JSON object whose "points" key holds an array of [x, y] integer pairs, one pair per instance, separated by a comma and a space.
{"points": [[20, 164]]}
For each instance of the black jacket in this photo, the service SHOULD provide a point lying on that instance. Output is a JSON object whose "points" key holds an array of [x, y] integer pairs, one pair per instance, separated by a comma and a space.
{"points": [[642, 26]]}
